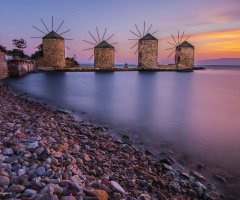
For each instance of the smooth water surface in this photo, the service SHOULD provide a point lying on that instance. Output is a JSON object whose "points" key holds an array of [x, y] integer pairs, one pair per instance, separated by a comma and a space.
{"points": [[197, 113]]}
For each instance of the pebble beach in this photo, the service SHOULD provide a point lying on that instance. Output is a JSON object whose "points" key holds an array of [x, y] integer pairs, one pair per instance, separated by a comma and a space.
{"points": [[47, 154]]}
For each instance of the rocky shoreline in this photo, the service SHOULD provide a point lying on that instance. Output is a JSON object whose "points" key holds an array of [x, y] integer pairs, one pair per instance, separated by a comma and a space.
{"points": [[46, 154]]}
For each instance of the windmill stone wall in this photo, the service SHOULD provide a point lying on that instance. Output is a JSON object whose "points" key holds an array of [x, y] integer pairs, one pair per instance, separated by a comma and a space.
{"points": [[184, 58], [104, 56], [148, 52], [3, 66], [53, 50]]}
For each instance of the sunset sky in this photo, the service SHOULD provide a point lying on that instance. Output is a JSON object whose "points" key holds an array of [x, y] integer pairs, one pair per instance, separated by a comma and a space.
{"points": [[214, 25]]}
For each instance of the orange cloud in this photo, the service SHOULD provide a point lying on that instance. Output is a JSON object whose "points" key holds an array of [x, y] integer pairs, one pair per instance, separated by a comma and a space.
{"points": [[221, 44]]}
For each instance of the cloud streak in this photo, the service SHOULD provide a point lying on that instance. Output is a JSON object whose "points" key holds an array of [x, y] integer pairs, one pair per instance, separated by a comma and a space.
{"points": [[217, 44]]}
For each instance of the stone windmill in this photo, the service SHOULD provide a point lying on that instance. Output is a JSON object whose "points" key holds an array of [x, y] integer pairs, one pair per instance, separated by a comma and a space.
{"points": [[53, 46], [184, 52], [147, 48], [103, 51]]}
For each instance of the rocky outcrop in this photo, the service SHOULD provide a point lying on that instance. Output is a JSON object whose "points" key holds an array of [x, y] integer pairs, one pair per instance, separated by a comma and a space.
{"points": [[71, 63], [3, 66]]}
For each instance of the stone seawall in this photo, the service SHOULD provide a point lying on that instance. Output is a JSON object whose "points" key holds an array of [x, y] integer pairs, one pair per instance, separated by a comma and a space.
{"points": [[92, 69], [170, 67], [3, 66]]}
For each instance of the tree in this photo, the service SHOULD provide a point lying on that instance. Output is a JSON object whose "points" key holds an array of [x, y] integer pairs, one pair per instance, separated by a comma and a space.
{"points": [[3, 49], [40, 47], [39, 53], [20, 44], [72, 62], [16, 52]]}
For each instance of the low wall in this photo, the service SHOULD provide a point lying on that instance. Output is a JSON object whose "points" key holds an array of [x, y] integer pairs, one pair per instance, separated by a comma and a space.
{"points": [[3, 66], [20, 69], [170, 67], [181, 66], [30, 67], [175, 67], [40, 62]]}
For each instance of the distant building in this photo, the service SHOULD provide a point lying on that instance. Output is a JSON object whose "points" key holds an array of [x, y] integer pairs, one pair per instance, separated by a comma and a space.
{"points": [[53, 50], [104, 56], [184, 57], [8, 57], [148, 52]]}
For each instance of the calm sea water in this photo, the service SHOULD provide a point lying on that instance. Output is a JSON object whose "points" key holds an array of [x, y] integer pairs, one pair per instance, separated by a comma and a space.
{"points": [[197, 114]]}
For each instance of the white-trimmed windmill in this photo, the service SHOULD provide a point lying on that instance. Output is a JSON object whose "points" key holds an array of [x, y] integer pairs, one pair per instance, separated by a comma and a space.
{"points": [[53, 46], [184, 52], [147, 48], [103, 51]]}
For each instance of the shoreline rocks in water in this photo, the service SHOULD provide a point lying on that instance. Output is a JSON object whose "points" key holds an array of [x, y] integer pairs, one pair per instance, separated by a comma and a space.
{"points": [[46, 154]]}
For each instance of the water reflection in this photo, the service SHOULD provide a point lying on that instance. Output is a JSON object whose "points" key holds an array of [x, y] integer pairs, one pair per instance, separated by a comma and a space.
{"points": [[54, 84], [146, 95], [103, 96]]}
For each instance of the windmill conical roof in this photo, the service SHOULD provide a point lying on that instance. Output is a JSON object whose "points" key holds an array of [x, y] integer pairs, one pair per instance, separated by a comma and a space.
{"points": [[53, 35], [104, 44], [148, 37], [185, 44]]}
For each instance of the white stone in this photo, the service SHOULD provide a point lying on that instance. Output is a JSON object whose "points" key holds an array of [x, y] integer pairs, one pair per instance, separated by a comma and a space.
{"points": [[32, 145], [144, 197], [7, 152], [30, 192], [117, 187], [21, 172], [76, 179]]}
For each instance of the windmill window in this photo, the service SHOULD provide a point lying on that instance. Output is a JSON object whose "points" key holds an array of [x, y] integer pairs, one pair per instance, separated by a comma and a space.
{"points": [[178, 58]]}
